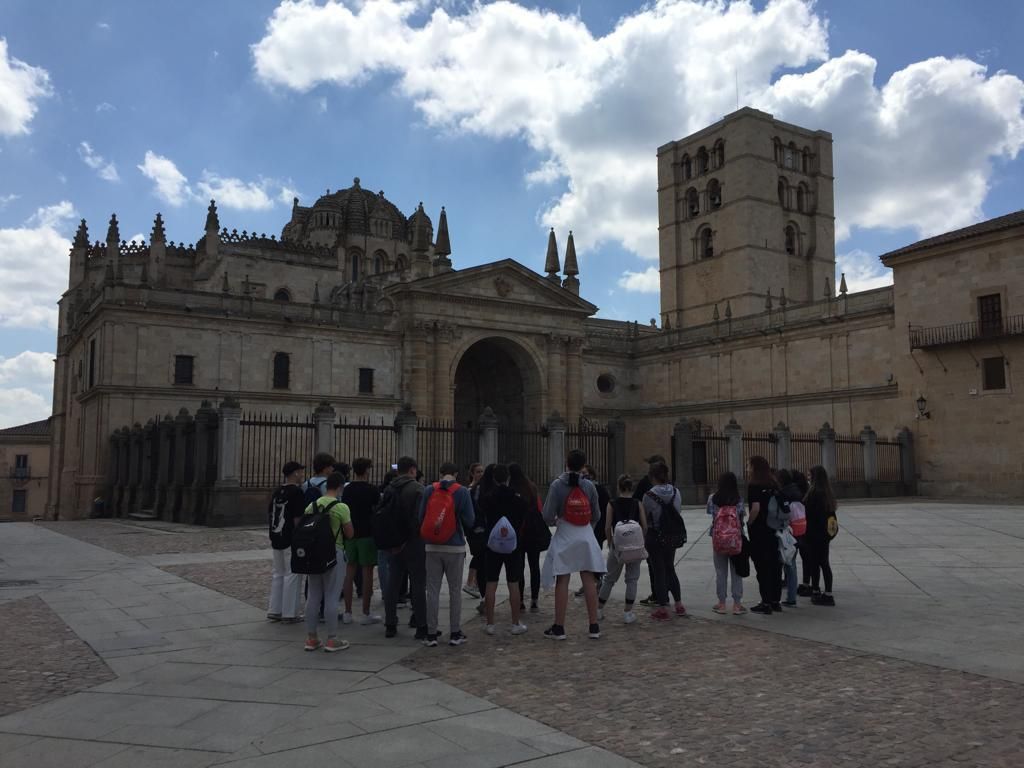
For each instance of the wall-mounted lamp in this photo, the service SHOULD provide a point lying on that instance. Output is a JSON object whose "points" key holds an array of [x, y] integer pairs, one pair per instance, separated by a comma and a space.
{"points": [[922, 408]]}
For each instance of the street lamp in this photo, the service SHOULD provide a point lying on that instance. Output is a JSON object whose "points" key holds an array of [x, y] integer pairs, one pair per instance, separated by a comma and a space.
{"points": [[922, 408]]}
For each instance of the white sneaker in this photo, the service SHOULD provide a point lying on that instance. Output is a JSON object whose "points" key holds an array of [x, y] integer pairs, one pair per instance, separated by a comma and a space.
{"points": [[600, 614], [370, 618], [490, 629], [518, 629], [346, 618], [628, 617]]}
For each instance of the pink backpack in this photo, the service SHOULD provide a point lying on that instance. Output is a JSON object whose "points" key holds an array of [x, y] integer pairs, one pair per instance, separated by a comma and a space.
{"points": [[797, 518], [726, 534]]}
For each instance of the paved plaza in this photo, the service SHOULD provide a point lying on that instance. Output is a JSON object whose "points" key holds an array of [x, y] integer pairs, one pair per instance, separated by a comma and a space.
{"points": [[127, 644]]}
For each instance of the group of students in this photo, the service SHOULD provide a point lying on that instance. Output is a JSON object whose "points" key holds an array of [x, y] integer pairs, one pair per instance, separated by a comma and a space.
{"points": [[335, 531], [784, 514]]}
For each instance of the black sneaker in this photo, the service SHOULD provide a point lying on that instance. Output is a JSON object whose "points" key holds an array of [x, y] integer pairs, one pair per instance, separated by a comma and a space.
{"points": [[412, 622], [649, 601], [579, 592], [421, 633], [827, 599], [594, 633], [534, 608], [430, 641], [804, 590], [390, 631], [762, 608], [457, 638], [480, 608], [555, 632], [777, 607], [789, 603]]}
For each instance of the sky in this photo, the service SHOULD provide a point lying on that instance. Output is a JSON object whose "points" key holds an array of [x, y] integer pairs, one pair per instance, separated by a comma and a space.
{"points": [[516, 117]]}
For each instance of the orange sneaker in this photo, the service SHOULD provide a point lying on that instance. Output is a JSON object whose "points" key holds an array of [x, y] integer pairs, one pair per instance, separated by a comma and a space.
{"points": [[313, 644], [661, 614], [719, 608], [333, 645]]}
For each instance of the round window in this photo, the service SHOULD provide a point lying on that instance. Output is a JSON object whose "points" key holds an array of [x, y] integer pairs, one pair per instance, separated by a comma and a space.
{"points": [[605, 383]]}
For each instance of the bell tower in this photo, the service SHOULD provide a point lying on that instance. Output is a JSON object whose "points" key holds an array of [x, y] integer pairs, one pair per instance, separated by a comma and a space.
{"points": [[745, 210]]}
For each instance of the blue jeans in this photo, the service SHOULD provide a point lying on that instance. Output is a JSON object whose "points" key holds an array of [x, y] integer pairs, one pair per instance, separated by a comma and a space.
{"points": [[791, 580]]}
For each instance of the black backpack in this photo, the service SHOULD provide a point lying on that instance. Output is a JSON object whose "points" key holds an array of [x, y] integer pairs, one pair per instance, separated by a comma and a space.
{"points": [[671, 530], [314, 546], [390, 526]]}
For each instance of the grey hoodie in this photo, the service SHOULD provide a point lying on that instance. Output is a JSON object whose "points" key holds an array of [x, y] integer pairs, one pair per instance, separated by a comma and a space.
{"points": [[559, 492], [666, 492]]}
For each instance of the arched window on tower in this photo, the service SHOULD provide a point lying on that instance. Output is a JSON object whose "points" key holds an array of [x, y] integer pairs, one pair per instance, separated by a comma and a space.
{"points": [[791, 248], [281, 294], [380, 262], [789, 156], [783, 193], [401, 263], [714, 195], [702, 161], [805, 160], [706, 243], [687, 166], [355, 266], [719, 153], [777, 150], [692, 203], [801, 197], [282, 370]]}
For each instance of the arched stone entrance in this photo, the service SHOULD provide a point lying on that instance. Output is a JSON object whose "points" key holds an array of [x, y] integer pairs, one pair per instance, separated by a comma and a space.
{"points": [[499, 373]]}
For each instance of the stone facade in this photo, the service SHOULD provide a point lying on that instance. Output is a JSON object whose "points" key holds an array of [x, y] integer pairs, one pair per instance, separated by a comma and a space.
{"points": [[24, 469], [358, 305]]}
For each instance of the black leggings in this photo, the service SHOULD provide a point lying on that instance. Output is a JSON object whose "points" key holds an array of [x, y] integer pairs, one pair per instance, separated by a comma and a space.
{"points": [[663, 569], [818, 555], [765, 555], [533, 558]]}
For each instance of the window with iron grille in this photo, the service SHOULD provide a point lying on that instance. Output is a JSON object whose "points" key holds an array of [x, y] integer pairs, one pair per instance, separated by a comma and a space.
{"points": [[183, 365], [18, 502], [993, 373], [366, 381], [990, 315], [282, 370]]}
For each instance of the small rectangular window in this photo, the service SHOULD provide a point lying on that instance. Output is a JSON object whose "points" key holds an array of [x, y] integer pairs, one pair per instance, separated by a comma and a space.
{"points": [[282, 370], [21, 460], [993, 373], [92, 362], [990, 315], [183, 365], [366, 381], [19, 502]]}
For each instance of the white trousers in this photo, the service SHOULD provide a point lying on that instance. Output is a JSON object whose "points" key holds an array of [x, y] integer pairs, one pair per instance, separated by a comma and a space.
{"points": [[285, 586]]}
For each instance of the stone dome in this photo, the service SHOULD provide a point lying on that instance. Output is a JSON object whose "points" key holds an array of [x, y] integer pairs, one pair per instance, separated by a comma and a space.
{"points": [[347, 211]]}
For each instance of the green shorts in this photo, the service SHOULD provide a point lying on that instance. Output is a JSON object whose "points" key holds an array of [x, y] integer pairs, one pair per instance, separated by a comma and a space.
{"points": [[361, 551]]}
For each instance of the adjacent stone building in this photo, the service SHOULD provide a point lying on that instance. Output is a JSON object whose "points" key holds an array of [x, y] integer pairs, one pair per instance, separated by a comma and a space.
{"points": [[24, 470], [358, 305]]}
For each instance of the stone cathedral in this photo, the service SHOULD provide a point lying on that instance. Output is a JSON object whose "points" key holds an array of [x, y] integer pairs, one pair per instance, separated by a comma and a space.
{"points": [[359, 305]]}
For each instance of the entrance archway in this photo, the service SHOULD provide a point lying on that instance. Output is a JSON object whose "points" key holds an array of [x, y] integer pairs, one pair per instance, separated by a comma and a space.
{"points": [[501, 374]]}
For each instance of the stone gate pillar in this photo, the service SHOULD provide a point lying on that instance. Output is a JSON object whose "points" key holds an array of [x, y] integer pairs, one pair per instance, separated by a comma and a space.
{"points": [[827, 436], [783, 446], [556, 444], [682, 462], [182, 424], [573, 379], [556, 373], [734, 437], [405, 426], [908, 460], [164, 449], [135, 456], [323, 418], [146, 497], [869, 441], [488, 437], [205, 461], [227, 490], [617, 455]]}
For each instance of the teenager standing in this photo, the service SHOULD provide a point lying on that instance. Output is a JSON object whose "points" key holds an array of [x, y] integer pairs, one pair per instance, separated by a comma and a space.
{"points": [[764, 545]]}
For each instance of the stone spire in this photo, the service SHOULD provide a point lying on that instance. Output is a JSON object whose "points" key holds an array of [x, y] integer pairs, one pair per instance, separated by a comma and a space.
{"points": [[211, 241], [158, 235], [768, 300], [443, 246], [842, 285], [212, 220], [571, 283], [420, 231], [551, 265], [828, 290], [113, 232], [82, 236], [114, 248]]}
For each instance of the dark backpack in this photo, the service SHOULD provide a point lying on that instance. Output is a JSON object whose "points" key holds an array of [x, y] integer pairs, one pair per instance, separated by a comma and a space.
{"points": [[314, 546], [314, 492], [390, 526], [671, 530], [777, 516]]}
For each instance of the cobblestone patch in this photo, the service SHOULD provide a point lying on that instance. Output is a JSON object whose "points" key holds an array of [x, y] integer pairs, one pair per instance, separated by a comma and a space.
{"points": [[702, 693], [245, 580], [140, 540], [41, 658]]}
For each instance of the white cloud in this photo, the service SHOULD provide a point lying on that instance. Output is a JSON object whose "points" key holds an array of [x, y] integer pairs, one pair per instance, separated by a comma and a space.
{"points": [[102, 25], [915, 151], [321, 105], [863, 271], [22, 406], [648, 281], [21, 87], [287, 195], [105, 106], [234, 193], [28, 295], [138, 237], [106, 171], [171, 184], [28, 369], [6, 200]]}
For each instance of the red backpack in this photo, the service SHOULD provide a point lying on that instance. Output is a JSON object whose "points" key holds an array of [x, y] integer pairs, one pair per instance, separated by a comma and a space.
{"points": [[439, 519], [577, 507], [726, 533]]}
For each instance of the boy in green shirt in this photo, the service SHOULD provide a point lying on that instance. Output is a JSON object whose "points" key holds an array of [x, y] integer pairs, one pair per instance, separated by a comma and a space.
{"points": [[327, 585]]}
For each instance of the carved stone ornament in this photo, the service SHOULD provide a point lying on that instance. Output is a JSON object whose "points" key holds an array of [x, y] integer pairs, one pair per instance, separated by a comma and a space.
{"points": [[502, 286]]}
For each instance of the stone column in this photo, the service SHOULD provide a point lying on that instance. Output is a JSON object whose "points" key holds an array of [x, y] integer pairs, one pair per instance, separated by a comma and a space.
{"points": [[441, 362], [783, 446], [182, 424], [405, 426], [556, 373], [827, 436], [416, 366], [146, 497], [573, 380], [164, 459], [556, 444], [908, 460], [617, 463], [734, 435], [323, 418], [869, 441], [682, 464], [135, 456], [112, 466], [121, 483], [227, 490], [205, 461], [488, 437]]}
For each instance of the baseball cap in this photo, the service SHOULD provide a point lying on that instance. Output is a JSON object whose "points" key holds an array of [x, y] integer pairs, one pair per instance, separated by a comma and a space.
{"points": [[655, 459], [290, 467]]}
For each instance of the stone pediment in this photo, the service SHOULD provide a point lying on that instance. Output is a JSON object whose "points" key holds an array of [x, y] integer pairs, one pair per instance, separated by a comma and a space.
{"points": [[501, 281]]}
